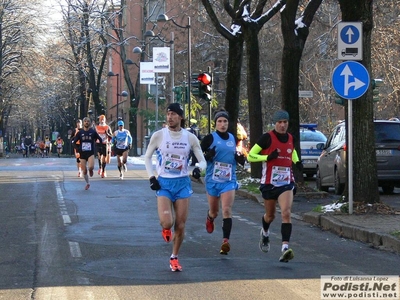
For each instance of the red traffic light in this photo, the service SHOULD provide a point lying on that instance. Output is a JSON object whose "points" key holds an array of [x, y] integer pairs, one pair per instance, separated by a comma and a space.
{"points": [[205, 78]]}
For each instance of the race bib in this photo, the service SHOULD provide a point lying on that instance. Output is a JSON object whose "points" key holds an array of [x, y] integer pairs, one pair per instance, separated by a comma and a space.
{"points": [[86, 146], [280, 176], [174, 164], [222, 172]]}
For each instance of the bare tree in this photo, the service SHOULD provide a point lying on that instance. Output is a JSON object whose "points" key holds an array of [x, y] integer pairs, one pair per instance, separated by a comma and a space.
{"points": [[86, 34], [245, 27]]}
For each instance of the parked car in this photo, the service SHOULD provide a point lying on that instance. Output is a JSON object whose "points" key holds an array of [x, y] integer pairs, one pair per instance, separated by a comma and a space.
{"points": [[309, 138], [331, 165]]}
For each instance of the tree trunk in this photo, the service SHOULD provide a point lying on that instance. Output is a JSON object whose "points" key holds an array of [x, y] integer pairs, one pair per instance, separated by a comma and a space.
{"points": [[253, 91], [365, 180]]}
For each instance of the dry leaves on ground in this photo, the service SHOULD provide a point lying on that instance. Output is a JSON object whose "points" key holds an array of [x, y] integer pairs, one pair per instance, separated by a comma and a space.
{"points": [[372, 208]]}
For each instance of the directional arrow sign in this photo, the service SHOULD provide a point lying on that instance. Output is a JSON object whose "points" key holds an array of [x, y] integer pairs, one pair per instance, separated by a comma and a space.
{"points": [[350, 80], [350, 41]]}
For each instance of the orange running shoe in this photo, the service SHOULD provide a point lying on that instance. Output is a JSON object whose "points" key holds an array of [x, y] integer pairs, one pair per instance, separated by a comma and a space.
{"points": [[209, 224], [103, 174], [167, 235], [99, 172], [225, 247], [87, 186], [174, 265]]}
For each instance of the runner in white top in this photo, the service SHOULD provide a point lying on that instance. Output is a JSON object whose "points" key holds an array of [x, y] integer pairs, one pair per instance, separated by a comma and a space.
{"points": [[173, 185]]}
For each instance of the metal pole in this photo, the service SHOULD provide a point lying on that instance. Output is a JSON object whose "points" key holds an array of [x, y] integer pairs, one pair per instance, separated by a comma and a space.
{"points": [[189, 75], [172, 67], [156, 128], [350, 154], [117, 94]]}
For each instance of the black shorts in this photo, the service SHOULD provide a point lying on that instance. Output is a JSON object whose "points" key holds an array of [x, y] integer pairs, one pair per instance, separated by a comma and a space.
{"points": [[271, 192], [85, 155], [102, 149], [120, 152]]}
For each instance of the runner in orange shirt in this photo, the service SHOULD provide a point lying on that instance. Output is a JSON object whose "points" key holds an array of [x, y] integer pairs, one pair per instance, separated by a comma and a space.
{"points": [[103, 146]]}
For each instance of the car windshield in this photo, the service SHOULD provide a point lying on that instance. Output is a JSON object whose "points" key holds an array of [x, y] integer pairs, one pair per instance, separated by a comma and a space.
{"points": [[312, 136], [387, 132]]}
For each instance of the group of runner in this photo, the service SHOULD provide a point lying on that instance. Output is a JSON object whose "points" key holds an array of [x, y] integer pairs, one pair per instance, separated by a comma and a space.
{"points": [[87, 139], [218, 155]]}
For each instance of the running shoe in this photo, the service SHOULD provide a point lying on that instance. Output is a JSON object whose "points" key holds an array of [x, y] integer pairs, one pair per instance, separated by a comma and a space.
{"points": [[125, 168], [209, 224], [167, 235], [121, 176], [174, 265], [225, 247], [264, 242], [91, 173], [99, 172], [287, 254], [79, 174], [87, 186], [103, 174]]}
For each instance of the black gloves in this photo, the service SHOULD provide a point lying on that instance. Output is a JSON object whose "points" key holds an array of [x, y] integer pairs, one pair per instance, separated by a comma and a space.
{"points": [[209, 154], [273, 155], [240, 158], [196, 173], [154, 184]]}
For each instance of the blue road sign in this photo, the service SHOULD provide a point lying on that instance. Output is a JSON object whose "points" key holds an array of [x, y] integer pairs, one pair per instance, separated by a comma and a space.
{"points": [[349, 34], [350, 80], [350, 41]]}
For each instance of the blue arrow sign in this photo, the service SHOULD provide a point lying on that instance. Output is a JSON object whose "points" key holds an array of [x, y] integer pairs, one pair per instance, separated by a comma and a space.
{"points": [[350, 80], [349, 34]]}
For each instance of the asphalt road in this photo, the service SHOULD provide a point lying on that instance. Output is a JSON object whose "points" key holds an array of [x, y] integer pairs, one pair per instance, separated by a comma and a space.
{"points": [[59, 241]]}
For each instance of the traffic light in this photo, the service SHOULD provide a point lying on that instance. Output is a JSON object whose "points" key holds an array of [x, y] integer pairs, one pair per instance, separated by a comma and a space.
{"points": [[178, 91], [205, 81], [376, 83], [194, 84], [339, 100]]}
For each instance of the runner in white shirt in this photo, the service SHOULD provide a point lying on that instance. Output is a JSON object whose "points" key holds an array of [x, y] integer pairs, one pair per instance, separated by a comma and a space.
{"points": [[173, 185]]}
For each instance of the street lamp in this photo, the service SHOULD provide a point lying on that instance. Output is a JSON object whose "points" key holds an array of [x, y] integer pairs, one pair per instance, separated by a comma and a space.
{"points": [[164, 18], [123, 93]]}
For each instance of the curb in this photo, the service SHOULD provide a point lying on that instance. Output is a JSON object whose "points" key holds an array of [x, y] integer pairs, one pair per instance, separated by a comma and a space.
{"points": [[376, 239]]}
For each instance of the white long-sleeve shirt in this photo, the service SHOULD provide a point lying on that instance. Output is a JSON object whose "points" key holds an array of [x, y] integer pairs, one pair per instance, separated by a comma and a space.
{"points": [[158, 138]]}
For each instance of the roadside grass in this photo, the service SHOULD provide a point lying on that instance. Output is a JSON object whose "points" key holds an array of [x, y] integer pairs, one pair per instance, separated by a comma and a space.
{"points": [[396, 234]]}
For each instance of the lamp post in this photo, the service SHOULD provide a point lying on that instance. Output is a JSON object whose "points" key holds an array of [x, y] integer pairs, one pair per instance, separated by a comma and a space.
{"points": [[164, 18], [123, 93]]}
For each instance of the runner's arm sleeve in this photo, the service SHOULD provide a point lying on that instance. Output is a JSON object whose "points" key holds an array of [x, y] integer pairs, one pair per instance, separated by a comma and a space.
{"points": [[129, 138], [154, 143], [255, 156], [295, 157], [194, 142]]}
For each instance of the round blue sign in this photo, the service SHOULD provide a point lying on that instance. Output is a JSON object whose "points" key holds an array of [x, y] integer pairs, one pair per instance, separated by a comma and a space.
{"points": [[349, 34], [350, 80]]}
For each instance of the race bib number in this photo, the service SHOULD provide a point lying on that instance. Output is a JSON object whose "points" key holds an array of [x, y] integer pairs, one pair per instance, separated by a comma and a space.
{"points": [[103, 137], [174, 164], [86, 146], [222, 172], [280, 176]]}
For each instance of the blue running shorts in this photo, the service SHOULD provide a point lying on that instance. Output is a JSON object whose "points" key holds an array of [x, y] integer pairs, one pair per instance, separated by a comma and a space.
{"points": [[175, 188], [216, 189]]}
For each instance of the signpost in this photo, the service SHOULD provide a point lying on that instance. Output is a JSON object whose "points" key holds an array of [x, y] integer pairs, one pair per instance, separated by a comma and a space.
{"points": [[350, 80]]}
